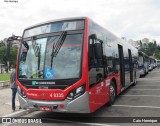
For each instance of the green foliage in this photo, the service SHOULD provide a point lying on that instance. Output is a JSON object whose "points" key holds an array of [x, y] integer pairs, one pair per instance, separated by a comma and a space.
{"points": [[155, 44], [152, 50], [157, 55], [140, 43], [4, 77], [11, 58], [2, 44], [2, 53]]}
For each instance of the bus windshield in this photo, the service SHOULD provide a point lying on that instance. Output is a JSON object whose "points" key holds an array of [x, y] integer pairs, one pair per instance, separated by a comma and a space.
{"points": [[36, 60]]}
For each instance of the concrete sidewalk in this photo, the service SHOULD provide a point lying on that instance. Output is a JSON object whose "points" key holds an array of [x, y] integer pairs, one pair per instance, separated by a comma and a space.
{"points": [[6, 102], [4, 84]]}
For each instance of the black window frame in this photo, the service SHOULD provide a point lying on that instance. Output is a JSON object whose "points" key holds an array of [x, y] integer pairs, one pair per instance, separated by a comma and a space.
{"points": [[71, 32]]}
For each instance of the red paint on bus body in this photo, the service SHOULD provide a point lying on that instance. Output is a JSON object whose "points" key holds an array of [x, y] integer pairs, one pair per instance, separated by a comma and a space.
{"points": [[98, 94]]}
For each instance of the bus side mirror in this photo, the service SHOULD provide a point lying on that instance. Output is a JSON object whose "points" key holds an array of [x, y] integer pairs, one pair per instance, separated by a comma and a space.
{"points": [[91, 51], [93, 37], [98, 50]]}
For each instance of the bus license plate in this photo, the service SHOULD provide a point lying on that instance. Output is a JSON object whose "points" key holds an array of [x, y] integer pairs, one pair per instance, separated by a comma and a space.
{"points": [[45, 108]]}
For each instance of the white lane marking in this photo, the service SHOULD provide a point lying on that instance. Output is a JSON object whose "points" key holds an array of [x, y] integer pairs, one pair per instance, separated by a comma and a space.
{"points": [[96, 124], [141, 95], [147, 85], [151, 80], [5, 124], [15, 114], [20, 113], [132, 106], [145, 89], [148, 82]]}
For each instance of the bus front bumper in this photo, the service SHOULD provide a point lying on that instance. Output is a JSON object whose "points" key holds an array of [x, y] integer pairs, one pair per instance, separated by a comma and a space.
{"points": [[78, 105]]}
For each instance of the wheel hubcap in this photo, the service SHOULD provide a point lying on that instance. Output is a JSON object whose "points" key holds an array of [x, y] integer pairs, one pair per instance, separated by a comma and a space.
{"points": [[112, 92]]}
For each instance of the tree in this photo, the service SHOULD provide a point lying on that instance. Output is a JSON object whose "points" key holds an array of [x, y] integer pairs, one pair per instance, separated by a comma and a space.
{"points": [[8, 49], [140, 44], [151, 49], [155, 43], [4, 59], [2, 53], [157, 55], [2, 44], [13, 56]]}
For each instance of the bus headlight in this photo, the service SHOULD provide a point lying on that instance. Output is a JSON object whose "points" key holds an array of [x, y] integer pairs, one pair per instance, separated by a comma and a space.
{"points": [[76, 92], [21, 92]]}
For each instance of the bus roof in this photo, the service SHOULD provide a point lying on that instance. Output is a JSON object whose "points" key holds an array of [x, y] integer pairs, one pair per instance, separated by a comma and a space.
{"points": [[56, 20]]}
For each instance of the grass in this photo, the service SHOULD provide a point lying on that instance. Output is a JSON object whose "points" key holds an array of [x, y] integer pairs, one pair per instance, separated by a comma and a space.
{"points": [[4, 77]]}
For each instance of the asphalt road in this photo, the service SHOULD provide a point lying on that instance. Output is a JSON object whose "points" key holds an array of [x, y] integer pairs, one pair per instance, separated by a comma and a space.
{"points": [[142, 100]]}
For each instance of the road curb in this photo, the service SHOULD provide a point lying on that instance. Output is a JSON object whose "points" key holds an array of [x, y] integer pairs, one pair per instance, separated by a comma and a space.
{"points": [[19, 113]]}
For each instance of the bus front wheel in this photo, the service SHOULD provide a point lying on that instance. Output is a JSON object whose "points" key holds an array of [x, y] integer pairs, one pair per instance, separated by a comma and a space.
{"points": [[112, 93]]}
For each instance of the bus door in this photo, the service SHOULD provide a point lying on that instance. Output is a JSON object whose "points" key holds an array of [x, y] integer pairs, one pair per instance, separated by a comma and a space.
{"points": [[97, 83], [122, 70], [130, 65]]}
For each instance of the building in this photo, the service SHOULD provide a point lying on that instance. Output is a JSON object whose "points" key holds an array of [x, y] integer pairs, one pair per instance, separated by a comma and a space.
{"points": [[15, 43], [133, 43], [145, 40], [153, 40]]}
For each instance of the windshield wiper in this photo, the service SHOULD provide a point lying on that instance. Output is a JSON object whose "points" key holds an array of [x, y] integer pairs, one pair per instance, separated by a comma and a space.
{"points": [[37, 51], [39, 57], [25, 45], [35, 46], [57, 46]]}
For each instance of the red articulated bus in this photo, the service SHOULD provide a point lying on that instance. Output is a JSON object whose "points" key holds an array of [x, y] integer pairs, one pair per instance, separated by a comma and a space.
{"points": [[73, 65]]}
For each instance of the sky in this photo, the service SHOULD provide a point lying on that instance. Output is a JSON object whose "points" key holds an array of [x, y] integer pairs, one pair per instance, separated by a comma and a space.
{"points": [[132, 19]]}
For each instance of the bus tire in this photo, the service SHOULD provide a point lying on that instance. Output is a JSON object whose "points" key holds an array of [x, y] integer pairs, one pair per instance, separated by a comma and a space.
{"points": [[112, 93], [135, 80], [145, 72]]}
